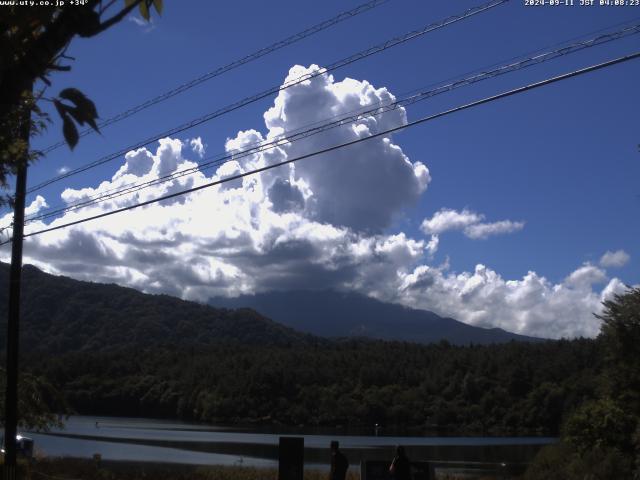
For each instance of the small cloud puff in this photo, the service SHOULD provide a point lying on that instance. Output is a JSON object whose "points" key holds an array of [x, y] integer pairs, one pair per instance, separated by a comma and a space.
{"points": [[197, 146], [619, 258], [146, 26], [448, 219], [469, 222]]}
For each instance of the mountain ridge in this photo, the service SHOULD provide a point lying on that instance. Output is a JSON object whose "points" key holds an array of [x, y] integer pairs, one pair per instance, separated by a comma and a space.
{"points": [[330, 313], [60, 314]]}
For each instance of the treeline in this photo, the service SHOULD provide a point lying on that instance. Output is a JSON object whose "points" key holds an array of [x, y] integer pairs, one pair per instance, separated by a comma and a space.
{"points": [[513, 388], [601, 438]]}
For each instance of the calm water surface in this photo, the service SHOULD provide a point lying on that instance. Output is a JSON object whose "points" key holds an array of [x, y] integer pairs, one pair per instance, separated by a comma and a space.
{"points": [[148, 440]]}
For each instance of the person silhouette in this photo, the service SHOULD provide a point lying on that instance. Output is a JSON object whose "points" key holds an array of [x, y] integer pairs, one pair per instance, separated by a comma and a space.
{"points": [[339, 463], [400, 468]]}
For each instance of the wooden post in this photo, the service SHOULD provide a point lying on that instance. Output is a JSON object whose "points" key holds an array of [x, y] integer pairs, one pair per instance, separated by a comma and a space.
{"points": [[13, 320], [291, 458]]}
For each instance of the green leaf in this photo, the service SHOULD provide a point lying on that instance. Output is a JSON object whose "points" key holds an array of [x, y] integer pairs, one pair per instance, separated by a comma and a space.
{"points": [[93, 124], [128, 3], [70, 132], [85, 110], [61, 108], [84, 114], [74, 95], [144, 10], [90, 25], [158, 4], [77, 115]]}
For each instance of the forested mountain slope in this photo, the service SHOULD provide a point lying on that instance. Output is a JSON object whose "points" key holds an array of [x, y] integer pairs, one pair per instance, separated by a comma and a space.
{"points": [[59, 314]]}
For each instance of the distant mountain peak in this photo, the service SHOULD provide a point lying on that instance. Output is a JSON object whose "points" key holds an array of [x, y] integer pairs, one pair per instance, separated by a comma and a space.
{"points": [[332, 313]]}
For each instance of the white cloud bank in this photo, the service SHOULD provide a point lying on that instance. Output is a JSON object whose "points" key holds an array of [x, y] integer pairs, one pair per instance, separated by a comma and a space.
{"points": [[318, 223], [531, 305]]}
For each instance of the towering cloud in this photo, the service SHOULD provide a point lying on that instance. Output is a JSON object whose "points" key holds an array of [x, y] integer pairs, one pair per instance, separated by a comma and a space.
{"points": [[360, 187]]}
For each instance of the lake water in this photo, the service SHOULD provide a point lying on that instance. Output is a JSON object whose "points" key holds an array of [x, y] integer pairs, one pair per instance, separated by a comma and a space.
{"points": [[146, 440]]}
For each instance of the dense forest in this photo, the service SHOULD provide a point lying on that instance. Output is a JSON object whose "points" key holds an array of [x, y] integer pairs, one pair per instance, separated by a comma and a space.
{"points": [[509, 388]]}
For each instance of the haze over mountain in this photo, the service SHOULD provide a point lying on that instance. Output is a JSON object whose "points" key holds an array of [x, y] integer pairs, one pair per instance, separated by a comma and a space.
{"points": [[329, 313]]}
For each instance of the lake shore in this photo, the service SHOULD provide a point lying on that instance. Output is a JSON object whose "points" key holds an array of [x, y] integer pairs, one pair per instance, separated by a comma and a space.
{"points": [[82, 469], [153, 441]]}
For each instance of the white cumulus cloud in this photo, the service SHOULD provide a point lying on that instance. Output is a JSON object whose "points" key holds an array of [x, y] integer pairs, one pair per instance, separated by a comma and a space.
{"points": [[619, 258], [432, 246], [447, 219], [471, 223], [323, 222], [486, 230], [361, 187], [35, 206], [315, 224], [197, 146], [531, 305]]}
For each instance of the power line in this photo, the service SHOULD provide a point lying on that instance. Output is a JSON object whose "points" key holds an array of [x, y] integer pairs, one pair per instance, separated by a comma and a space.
{"points": [[254, 98], [591, 36], [476, 103], [346, 119], [235, 64]]}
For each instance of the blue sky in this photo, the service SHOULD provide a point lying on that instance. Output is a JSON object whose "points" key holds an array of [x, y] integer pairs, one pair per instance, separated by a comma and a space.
{"points": [[562, 162]]}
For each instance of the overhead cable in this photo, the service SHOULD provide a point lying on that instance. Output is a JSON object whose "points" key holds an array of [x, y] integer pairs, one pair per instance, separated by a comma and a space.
{"points": [[230, 66], [254, 98], [428, 118], [343, 120]]}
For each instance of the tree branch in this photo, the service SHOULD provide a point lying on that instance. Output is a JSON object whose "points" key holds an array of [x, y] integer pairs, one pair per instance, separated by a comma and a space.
{"points": [[60, 68], [117, 17], [107, 6], [57, 35]]}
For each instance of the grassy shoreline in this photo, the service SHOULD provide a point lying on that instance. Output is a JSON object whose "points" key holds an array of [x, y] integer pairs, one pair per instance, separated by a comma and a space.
{"points": [[58, 468], [82, 469]]}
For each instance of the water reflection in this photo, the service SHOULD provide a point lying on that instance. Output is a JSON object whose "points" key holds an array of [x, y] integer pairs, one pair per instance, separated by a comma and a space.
{"points": [[178, 442]]}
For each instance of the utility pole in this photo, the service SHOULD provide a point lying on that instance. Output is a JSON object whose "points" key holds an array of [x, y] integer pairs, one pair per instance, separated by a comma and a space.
{"points": [[13, 321]]}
